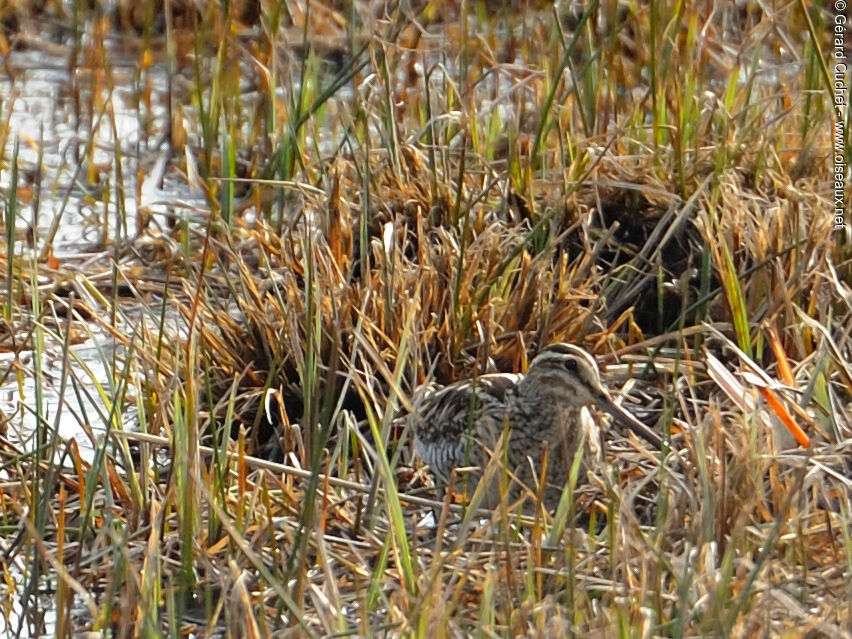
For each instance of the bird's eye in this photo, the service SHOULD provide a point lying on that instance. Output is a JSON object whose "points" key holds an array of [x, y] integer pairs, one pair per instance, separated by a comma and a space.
{"points": [[570, 364]]}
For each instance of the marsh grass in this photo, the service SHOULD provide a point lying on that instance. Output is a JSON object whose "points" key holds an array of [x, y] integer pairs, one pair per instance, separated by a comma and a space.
{"points": [[401, 194]]}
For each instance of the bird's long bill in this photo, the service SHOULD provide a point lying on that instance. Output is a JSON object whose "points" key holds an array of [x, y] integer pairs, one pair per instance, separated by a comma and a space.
{"points": [[631, 422]]}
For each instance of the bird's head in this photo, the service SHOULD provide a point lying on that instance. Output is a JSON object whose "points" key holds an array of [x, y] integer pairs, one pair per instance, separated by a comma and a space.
{"points": [[567, 372]]}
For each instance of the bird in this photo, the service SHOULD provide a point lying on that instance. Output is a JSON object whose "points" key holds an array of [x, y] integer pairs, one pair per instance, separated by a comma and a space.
{"points": [[461, 425]]}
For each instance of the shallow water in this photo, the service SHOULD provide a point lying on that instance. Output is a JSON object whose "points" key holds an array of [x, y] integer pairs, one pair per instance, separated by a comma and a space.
{"points": [[69, 194]]}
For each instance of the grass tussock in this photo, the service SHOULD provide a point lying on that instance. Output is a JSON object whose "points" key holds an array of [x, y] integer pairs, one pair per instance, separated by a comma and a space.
{"points": [[357, 198]]}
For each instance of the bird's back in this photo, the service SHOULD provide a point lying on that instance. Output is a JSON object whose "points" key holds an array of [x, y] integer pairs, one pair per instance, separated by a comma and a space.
{"points": [[455, 424]]}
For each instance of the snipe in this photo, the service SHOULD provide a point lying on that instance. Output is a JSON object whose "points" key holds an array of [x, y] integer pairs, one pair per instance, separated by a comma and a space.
{"points": [[460, 425]]}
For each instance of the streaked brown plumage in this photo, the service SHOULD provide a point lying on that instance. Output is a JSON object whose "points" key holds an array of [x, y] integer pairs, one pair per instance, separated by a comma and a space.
{"points": [[460, 425]]}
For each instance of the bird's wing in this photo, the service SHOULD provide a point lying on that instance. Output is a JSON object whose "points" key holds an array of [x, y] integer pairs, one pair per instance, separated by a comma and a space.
{"points": [[447, 412], [454, 424]]}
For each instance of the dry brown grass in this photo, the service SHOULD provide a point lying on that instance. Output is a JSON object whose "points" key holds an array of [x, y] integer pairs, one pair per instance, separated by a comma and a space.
{"points": [[669, 206]]}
